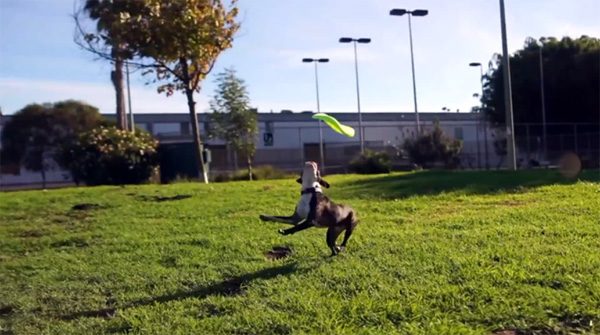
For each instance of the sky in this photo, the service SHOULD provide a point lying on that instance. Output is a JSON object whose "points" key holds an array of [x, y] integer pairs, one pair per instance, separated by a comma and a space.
{"points": [[39, 62]]}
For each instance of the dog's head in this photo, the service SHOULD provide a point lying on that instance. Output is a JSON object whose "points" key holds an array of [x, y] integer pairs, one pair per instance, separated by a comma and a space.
{"points": [[311, 176]]}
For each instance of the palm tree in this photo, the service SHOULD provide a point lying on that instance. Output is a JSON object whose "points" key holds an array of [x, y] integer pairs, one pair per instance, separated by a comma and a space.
{"points": [[110, 30]]}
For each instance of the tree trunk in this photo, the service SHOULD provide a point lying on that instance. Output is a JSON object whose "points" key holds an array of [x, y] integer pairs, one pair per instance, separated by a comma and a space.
{"points": [[198, 147], [116, 77], [250, 176], [235, 160], [43, 172]]}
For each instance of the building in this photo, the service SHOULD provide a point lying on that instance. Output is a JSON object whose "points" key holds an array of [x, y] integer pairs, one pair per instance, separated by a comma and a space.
{"points": [[287, 139]]}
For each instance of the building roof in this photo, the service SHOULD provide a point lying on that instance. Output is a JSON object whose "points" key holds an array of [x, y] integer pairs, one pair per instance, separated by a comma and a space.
{"points": [[306, 117]]}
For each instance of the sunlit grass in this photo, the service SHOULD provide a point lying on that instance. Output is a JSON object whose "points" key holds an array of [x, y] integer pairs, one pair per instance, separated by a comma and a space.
{"points": [[435, 253]]}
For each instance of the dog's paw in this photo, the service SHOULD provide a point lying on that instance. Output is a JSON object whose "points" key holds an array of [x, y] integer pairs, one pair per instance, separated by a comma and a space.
{"points": [[282, 232], [340, 248]]}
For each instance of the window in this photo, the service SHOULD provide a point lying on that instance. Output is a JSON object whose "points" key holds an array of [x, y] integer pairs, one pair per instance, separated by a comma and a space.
{"points": [[458, 133], [184, 128]]}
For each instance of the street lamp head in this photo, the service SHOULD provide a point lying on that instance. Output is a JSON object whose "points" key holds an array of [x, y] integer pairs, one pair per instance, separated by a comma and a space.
{"points": [[419, 12], [323, 60], [475, 64], [398, 12], [307, 60], [346, 40], [364, 40]]}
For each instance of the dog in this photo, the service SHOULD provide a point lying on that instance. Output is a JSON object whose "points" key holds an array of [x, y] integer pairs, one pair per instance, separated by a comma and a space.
{"points": [[314, 209]]}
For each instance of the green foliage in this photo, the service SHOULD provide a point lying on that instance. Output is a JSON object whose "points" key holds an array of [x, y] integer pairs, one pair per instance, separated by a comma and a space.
{"points": [[435, 253], [262, 172], [37, 135], [108, 155], [184, 39], [371, 162], [233, 119], [571, 83], [433, 147]]}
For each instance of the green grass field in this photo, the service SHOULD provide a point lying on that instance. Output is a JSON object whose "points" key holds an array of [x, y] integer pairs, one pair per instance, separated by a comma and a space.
{"points": [[435, 253]]}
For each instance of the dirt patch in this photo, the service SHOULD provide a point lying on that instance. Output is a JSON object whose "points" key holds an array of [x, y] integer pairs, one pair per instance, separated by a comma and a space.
{"points": [[85, 207], [160, 198], [76, 242], [6, 310], [230, 287], [31, 233], [279, 252]]}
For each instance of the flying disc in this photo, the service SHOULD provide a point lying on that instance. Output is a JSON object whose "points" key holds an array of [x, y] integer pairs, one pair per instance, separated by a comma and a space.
{"points": [[334, 124]]}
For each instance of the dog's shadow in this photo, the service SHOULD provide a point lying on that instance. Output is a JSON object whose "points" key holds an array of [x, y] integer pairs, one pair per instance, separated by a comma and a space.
{"points": [[234, 286]]}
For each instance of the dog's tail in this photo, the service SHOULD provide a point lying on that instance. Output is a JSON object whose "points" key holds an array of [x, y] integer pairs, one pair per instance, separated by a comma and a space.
{"points": [[351, 219]]}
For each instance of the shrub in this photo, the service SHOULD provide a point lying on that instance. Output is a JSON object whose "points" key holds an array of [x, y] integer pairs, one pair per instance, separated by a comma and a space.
{"points": [[433, 147], [263, 172], [107, 155], [371, 162]]}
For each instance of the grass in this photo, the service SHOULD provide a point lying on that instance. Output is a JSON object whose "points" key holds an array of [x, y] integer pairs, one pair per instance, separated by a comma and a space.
{"points": [[435, 253]]}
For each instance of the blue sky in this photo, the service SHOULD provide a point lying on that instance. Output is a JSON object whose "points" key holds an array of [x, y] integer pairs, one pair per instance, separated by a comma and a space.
{"points": [[40, 63]]}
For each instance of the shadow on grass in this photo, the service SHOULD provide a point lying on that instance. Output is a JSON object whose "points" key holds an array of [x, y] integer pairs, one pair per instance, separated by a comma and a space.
{"points": [[229, 287], [466, 182]]}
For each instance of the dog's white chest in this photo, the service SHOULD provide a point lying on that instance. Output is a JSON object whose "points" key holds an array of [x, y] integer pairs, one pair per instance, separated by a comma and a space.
{"points": [[303, 206]]}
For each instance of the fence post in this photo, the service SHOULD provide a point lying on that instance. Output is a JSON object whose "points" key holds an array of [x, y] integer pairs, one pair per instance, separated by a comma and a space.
{"points": [[300, 146], [576, 139], [528, 143], [589, 145]]}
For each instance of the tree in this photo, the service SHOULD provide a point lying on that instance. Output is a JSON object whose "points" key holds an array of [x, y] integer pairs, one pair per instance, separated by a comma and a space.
{"points": [[183, 38], [37, 135], [434, 146], [571, 82], [112, 40], [234, 120], [107, 155]]}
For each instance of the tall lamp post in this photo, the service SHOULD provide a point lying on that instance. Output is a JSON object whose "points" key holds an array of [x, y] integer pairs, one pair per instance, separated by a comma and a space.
{"points": [[510, 127], [360, 128], [485, 139], [416, 12], [316, 61]]}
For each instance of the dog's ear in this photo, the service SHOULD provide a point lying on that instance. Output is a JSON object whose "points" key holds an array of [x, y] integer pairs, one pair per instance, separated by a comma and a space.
{"points": [[299, 180], [324, 183]]}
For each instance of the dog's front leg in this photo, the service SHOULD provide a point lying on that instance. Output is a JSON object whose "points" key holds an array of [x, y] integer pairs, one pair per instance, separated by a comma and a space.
{"points": [[304, 225]]}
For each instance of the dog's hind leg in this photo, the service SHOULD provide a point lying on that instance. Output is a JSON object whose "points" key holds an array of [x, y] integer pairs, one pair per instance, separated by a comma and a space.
{"points": [[332, 235], [350, 224], [293, 219], [304, 225]]}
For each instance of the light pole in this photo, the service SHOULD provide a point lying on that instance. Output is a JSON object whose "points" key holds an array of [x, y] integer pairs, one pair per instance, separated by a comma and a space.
{"points": [[416, 12], [131, 122], [317, 61], [510, 127], [543, 98], [482, 117], [355, 41]]}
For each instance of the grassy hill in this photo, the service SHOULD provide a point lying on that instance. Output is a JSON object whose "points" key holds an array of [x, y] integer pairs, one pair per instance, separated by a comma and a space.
{"points": [[435, 253]]}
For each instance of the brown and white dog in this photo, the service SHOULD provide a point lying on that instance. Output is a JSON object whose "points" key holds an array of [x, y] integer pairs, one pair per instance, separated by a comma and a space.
{"points": [[316, 210]]}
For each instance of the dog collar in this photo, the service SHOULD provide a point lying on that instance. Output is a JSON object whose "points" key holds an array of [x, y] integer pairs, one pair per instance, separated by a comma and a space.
{"points": [[310, 190]]}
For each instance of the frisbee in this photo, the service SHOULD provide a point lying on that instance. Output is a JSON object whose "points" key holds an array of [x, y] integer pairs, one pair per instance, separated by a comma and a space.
{"points": [[334, 124]]}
